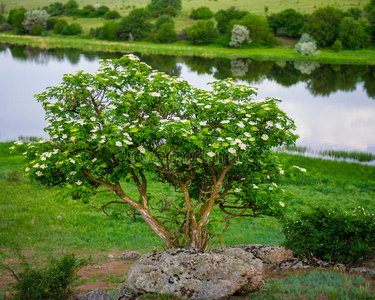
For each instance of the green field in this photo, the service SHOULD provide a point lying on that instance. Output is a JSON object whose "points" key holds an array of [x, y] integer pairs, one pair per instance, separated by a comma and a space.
{"points": [[255, 6]]}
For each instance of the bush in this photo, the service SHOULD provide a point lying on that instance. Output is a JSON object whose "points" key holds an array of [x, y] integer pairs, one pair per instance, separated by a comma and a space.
{"points": [[34, 17], [331, 235], [224, 18], [59, 26], [166, 34], [72, 29], [53, 281], [101, 11], [137, 23], [337, 46], [353, 34], [159, 7], [306, 46], [37, 29], [202, 32], [240, 35], [201, 13], [111, 15], [170, 10], [108, 31], [289, 21]]}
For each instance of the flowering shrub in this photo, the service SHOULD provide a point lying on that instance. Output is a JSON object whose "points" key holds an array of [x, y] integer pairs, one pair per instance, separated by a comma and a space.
{"points": [[331, 234], [127, 120], [306, 46]]}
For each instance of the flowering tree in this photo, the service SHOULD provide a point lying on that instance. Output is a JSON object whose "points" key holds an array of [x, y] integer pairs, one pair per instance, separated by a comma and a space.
{"points": [[127, 122]]}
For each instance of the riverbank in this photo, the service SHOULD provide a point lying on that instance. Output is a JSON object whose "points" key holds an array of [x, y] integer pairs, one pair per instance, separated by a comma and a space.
{"points": [[363, 57]]}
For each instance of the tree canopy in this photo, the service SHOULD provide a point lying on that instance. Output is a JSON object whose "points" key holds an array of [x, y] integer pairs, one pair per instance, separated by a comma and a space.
{"points": [[128, 122]]}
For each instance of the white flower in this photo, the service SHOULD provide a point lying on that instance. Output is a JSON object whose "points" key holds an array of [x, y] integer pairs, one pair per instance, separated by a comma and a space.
{"points": [[281, 171], [269, 123], [211, 154], [95, 129], [55, 136], [232, 151], [270, 188], [274, 184], [220, 139], [242, 146], [42, 158], [199, 160], [237, 190], [229, 138], [18, 143], [12, 148], [92, 119], [73, 173], [79, 182], [112, 106], [207, 106], [141, 149], [81, 121], [247, 134], [176, 119], [203, 123], [240, 124], [128, 142], [265, 137], [38, 173], [59, 119], [36, 165], [255, 186], [224, 122], [155, 94], [72, 161], [118, 144], [27, 169], [252, 123], [43, 166], [301, 169], [238, 162], [163, 120], [94, 159], [282, 204]]}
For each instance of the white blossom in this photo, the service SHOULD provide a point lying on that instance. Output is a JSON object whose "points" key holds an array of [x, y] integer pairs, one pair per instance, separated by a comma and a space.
{"points": [[72, 161], [43, 166], [269, 123], [92, 119], [38, 173], [118, 144], [240, 124], [36, 165], [203, 123], [211, 154], [27, 169], [81, 122], [224, 122], [141, 149], [72, 173], [232, 151], [299, 168], [265, 137], [112, 106], [237, 190], [79, 182], [282, 204], [128, 142], [207, 106], [94, 159], [155, 94], [255, 186], [18, 143]]}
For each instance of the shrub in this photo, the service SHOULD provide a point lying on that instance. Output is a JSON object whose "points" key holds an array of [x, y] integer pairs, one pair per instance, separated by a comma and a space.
{"points": [[306, 46], [170, 10], [159, 7], [111, 15], [137, 23], [331, 234], [289, 21], [70, 7], [353, 34], [166, 34], [224, 18], [240, 35], [202, 32], [337, 46], [202, 12], [54, 281], [55, 9], [163, 19], [16, 17], [101, 11], [59, 26], [35, 17], [72, 29], [108, 31], [37, 29]]}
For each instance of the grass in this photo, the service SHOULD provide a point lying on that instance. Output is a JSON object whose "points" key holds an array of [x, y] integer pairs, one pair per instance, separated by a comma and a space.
{"points": [[255, 6]]}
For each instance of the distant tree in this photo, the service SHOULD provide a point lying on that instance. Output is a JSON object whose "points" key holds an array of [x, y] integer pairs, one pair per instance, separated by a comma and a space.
{"points": [[170, 10], [111, 15], [260, 32], [353, 34], [323, 25], [157, 7], [137, 23], [72, 29], [240, 35], [2, 8], [224, 18], [16, 17], [354, 12], [108, 31], [163, 19], [289, 21], [59, 25], [203, 32], [202, 12], [101, 11], [370, 15], [33, 17], [337, 46], [55, 9], [306, 46], [70, 7], [166, 33]]}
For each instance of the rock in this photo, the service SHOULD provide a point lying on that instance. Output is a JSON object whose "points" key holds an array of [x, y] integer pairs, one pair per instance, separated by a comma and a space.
{"points": [[131, 255], [96, 295], [192, 274], [111, 256], [271, 256], [365, 271]]}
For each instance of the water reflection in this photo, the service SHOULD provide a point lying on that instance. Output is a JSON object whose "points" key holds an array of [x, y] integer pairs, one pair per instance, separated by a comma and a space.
{"points": [[332, 104]]}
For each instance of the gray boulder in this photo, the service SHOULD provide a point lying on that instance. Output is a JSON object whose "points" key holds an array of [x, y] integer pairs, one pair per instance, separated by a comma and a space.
{"points": [[96, 295], [131, 255], [192, 274]]}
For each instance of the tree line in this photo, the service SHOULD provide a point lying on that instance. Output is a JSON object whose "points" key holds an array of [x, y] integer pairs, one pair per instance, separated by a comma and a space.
{"points": [[325, 27]]}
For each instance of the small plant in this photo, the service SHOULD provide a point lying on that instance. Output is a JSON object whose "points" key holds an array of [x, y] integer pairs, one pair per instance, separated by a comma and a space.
{"points": [[54, 281], [331, 234], [337, 46]]}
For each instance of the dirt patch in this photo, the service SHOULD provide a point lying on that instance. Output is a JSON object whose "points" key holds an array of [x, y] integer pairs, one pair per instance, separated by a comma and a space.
{"points": [[287, 41]]}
